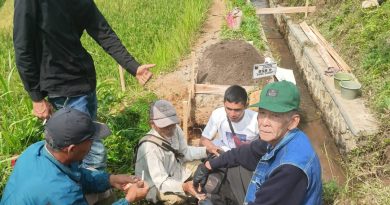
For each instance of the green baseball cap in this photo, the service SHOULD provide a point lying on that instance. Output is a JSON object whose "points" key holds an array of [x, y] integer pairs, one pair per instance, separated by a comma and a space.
{"points": [[282, 96]]}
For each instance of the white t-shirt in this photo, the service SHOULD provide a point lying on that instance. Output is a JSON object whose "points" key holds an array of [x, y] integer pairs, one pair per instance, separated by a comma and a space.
{"points": [[246, 129]]}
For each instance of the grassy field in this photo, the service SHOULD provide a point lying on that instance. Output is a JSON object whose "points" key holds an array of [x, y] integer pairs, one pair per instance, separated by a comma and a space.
{"points": [[160, 34]]}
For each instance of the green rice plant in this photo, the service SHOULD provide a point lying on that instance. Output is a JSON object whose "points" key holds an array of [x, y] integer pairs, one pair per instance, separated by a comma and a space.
{"points": [[159, 32]]}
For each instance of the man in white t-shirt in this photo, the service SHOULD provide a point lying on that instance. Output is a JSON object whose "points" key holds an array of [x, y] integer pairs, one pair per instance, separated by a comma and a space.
{"points": [[231, 126]]}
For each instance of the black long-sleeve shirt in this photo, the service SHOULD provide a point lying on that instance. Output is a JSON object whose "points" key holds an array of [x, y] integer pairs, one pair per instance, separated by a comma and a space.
{"points": [[49, 55], [286, 185]]}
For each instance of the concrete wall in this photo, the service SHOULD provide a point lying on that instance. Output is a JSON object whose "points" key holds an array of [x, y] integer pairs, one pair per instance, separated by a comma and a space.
{"points": [[347, 120]]}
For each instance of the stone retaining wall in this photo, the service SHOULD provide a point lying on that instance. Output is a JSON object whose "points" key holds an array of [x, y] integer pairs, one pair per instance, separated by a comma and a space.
{"points": [[347, 120]]}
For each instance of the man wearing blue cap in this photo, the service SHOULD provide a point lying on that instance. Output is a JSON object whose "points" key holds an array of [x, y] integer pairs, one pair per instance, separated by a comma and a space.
{"points": [[48, 172], [286, 168]]}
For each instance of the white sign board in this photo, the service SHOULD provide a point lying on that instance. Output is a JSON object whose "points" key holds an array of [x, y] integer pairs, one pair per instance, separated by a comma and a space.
{"points": [[264, 70]]}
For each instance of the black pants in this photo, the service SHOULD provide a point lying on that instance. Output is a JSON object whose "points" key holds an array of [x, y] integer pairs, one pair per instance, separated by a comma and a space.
{"points": [[233, 188]]}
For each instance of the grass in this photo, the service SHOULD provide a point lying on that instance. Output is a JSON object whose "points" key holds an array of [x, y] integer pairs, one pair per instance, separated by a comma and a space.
{"points": [[160, 34], [363, 37], [250, 26], [1, 3], [6, 13]]}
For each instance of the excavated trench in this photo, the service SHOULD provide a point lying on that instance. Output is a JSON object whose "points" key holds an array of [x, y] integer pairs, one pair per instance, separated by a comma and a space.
{"points": [[231, 62]]}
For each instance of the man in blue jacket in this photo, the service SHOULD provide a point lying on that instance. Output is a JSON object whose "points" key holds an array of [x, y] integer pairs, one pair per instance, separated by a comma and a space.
{"points": [[286, 168], [49, 172]]}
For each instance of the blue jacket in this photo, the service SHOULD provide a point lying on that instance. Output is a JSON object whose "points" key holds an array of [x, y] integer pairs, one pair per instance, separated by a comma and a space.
{"points": [[38, 178], [294, 149]]}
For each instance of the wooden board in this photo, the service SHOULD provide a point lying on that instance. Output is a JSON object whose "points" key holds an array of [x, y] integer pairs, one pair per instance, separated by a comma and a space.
{"points": [[343, 65], [122, 78], [285, 10], [217, 89], [330, 62]]}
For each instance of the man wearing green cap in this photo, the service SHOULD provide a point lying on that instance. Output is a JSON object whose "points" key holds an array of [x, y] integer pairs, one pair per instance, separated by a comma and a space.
{"points": [[286, 168]]}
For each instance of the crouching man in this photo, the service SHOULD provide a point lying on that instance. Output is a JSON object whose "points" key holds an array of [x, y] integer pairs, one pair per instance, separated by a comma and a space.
{"points": [[289, 170], [165, 159], [49, 172]]}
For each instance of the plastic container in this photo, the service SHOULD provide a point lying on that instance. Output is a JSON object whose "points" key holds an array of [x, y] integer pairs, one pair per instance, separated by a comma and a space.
{"points": [[340, 77], [350, 89]]}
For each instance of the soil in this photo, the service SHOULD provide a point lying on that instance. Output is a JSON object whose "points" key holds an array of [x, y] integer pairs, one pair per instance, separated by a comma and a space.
{"points": [[228, 63]]}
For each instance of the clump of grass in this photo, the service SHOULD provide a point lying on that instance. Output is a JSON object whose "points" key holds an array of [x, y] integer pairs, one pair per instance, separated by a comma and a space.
{"points": [[250, 26], [1, 3], [330, 192]]}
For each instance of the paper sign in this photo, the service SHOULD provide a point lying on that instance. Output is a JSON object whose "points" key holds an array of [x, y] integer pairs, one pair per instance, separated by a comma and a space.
{"points": [[264, 70], [285, 74]]}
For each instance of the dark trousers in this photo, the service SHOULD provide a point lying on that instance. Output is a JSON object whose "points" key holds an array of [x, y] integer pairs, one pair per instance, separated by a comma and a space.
{"points": [[233, 188], [239, 179]]}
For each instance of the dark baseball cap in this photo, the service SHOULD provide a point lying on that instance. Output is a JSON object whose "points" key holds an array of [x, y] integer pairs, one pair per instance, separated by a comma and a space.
{"points": [[69, 126], [282, 96]]}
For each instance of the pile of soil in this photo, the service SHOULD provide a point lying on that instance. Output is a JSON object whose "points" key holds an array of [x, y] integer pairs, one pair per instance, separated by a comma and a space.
{"points": [[228, 63]]}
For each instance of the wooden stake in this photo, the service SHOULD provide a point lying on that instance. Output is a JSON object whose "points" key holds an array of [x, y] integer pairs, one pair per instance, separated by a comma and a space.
{"points": [[185, 119], [307, 7], [193, 75], [122, 78]]}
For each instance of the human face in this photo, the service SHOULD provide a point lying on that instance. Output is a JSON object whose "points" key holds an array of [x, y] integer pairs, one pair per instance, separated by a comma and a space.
{"points": [[166, 132], [273, 126], [234, 111]]}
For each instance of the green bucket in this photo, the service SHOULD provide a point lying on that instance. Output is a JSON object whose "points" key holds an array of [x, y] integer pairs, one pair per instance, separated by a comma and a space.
{"points": [[350, 89], [340, 77]]}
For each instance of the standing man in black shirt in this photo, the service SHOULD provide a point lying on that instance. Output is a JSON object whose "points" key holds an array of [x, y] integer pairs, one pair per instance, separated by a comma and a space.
{"points": [[53, 63]]}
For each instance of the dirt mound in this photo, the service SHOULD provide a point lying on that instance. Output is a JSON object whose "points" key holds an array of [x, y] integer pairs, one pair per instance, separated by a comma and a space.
{"points": [[228, 63]]}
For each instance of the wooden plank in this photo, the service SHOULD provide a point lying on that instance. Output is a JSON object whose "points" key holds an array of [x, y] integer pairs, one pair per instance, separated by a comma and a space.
{"points": [[343, 65], [330, 62], [122, 78], [217, 89], [193, 75], [185, 119], [285, 10]]}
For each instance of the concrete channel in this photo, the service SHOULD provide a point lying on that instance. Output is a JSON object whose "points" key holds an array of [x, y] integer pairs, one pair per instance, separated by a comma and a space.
{"points": [[313, 124]]}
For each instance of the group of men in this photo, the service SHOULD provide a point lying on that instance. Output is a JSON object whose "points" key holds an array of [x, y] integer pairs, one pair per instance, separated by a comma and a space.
{"points": [[245, 157]]}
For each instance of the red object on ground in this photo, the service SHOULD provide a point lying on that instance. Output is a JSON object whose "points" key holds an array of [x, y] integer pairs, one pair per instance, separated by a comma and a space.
{"points": [[13, 161]]}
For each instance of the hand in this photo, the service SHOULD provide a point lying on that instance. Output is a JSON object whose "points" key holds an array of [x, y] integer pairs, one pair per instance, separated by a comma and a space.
{"points": [[214, 150], [200, 177], [42, 109], [121, 180], [188, 187], [137, 191], [143, 74]]}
